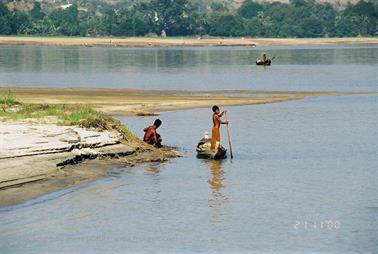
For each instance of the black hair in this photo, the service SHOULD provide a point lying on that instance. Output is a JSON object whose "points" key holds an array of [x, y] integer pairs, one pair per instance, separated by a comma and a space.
{"points": [[157, 123], [215, 107]]}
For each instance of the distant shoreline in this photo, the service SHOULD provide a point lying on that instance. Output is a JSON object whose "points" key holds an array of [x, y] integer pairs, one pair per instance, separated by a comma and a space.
{"points": [[180, 41]]}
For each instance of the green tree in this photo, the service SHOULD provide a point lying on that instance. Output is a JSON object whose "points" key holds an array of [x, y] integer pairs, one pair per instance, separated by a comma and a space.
{"points": [[328, 14], [43, 26], [312, 27], [20, 21], [249, 9], [364, 14], [5, 20], [93, 26], [175, 17], [298, 18], [218, 7], [223, 24], [66, 21], [297, 3], [346, 26], [253, 27], [36, 13], [110, 20], [129, 23]]}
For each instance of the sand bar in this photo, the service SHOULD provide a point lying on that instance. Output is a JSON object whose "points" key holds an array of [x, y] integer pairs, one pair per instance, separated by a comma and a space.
{"points": [[134, 102], [180, 41]]}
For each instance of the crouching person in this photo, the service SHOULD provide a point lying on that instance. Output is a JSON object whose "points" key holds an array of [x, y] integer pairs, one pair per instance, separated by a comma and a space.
{"points": [[151, 136]]}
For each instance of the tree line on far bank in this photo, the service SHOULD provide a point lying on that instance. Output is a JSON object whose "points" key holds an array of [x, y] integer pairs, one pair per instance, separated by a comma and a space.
{"points": [[298, 18]]}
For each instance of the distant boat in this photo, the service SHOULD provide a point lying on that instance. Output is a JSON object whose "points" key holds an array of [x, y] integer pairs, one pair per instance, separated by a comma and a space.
{"points": [[262, 62]]}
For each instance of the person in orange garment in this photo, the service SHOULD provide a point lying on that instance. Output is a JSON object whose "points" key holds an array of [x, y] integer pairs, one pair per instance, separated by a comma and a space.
{"points": [[215, 137], [151, 136]]}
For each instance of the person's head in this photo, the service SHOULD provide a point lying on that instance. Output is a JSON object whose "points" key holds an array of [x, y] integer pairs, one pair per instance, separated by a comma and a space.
{"points": [[215, 109], [157, 123]]}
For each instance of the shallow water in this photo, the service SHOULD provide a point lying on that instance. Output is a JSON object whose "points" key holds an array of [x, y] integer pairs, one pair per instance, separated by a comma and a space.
{"points": [[311, 68], [312, 161]]}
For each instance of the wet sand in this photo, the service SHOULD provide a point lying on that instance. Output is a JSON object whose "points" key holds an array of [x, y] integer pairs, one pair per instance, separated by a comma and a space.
{"points": [[73, 175], [180, 41], [147, 102]]}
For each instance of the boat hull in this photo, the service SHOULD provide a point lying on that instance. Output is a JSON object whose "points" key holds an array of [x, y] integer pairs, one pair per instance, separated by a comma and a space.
{"points": [[204, 151], [266, 62]]}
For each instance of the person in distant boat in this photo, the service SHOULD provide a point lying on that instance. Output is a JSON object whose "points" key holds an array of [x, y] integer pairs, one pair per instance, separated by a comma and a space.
{"points": [[151, 136], [263, 60], [215, 136], [264, 56]]}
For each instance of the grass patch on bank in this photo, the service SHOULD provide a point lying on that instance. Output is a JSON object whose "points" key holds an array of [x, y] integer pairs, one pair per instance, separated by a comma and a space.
{"points": [[67, 114], [8, 100]]}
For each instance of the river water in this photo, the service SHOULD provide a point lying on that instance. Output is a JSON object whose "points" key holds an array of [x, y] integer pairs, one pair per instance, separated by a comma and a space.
{"points": [[334, 68], [304, 179]]}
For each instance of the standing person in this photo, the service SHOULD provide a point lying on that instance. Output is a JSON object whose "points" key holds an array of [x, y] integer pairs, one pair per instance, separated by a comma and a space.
{"points": [[215, 137], [151, 136], [264, 57]]}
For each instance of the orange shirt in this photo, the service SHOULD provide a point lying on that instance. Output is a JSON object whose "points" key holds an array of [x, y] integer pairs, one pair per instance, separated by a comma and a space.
{"points": [[215, 135], [216, 120]]}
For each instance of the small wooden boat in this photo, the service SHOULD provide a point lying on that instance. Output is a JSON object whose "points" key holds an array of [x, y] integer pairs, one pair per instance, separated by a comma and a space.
{"points": [[204, 150], [267, 62]]}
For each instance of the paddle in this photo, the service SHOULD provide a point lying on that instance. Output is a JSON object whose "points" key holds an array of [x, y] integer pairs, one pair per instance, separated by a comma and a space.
{"points": [[229, 137]]}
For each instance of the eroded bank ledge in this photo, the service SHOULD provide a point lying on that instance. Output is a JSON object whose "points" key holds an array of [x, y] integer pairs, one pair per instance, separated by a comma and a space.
{"points": [[38, 157]]}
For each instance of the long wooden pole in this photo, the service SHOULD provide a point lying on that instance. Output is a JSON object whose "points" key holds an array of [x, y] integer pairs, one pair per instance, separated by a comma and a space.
{"points": [[229, 137]]}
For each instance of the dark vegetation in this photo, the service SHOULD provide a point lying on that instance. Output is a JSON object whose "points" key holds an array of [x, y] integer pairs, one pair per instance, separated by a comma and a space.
{"points": [[299, 18]]}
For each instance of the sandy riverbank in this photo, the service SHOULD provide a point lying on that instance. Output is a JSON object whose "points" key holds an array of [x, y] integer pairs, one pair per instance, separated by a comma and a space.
{"points": [[38, 156], [177, 41], [134, 102]]}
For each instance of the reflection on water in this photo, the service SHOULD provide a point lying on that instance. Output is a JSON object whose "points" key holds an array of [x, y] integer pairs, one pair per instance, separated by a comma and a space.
{"points": [[153, 169], [218, 198], [216, 185]]}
